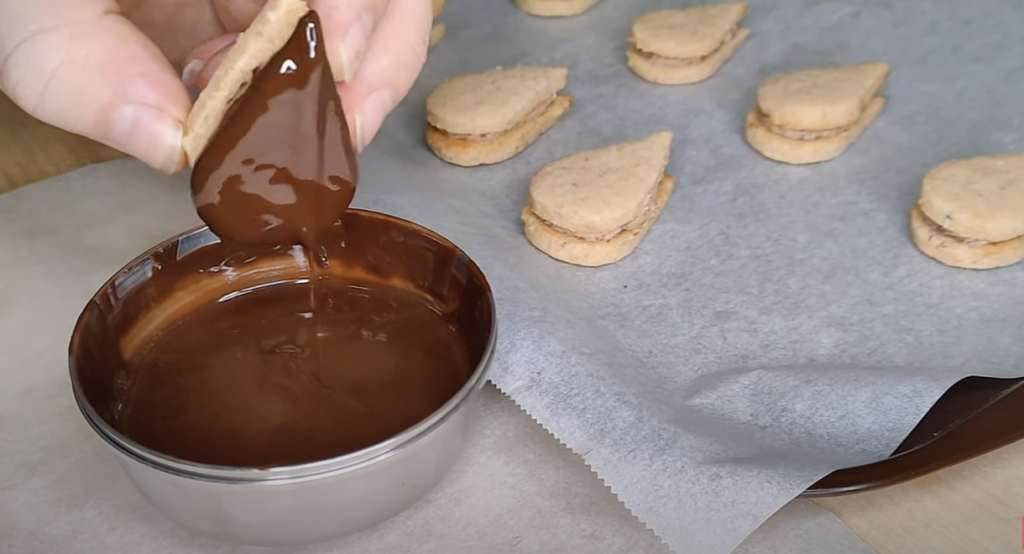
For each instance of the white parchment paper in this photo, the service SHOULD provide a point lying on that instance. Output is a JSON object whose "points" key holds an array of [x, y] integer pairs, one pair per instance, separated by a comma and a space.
{"points": [[777, 323]]}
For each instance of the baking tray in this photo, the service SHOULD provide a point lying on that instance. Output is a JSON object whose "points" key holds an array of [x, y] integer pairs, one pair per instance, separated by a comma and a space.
{"points": [[975, 416]]}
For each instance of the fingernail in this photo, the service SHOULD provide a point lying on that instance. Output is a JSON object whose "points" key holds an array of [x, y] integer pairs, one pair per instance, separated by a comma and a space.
{"points": [[371, 116], [188, 76], [149, 134], [353, 47]]}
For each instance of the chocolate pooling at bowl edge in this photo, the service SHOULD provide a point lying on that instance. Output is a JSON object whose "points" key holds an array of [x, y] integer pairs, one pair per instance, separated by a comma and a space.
{"points": [[307, 365]]}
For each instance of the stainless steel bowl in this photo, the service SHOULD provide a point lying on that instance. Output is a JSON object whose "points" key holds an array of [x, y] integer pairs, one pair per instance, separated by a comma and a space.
{"points": [[285, 505]]}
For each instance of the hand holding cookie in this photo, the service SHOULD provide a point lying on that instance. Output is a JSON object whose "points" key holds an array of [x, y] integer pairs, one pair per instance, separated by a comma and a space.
{"points": [[108, 69]]}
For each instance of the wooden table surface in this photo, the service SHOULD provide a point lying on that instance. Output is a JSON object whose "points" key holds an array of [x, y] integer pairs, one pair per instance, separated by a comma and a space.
{"points": [[974, 508]]}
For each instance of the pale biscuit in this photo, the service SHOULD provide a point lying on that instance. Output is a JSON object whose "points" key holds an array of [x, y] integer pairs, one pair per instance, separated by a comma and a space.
{"points": [[577, 251], [472, 150], [555, 8], [689, 32], [981, 198], [438, 6], [775, 146], [823, 98], [595, 192], [267, 34], [436, 34], [493, 101], [954, 251], [670, 71], [594, 207]]}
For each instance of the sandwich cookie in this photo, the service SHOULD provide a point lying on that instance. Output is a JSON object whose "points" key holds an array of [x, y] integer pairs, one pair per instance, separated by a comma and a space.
{"points": [[814, 115], [555, 8], [680, 47], [971, 212], [594, 207], [489, 117]]}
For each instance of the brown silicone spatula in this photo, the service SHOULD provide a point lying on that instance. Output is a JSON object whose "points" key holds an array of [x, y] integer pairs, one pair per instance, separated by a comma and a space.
{"points": [[975, 416]]}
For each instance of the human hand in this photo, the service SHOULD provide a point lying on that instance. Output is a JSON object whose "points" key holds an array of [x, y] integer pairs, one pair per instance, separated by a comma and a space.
{"points": [[108, 69]]}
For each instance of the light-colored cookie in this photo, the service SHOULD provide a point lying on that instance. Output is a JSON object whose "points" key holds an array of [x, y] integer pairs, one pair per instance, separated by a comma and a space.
{"points": [[438, 6], [981, 198], [489, 117], [574, 250], [687, 33], [594, 207], [669, 71], [493, 101], [823, 98], [555, 8], [470, 150], [793, 150], [436, 34], [954, 251], [267, 34]]}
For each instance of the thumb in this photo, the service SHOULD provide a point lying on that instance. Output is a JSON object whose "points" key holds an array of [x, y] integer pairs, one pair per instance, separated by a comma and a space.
{"points": [[81, 66]]}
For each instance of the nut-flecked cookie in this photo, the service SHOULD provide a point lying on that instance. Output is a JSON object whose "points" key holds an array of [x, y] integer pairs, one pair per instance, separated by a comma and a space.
{"points": [[594, 207], [267, 34], [492, 116], [970, 213], [685, 46], [814, 115], [555, 8]]}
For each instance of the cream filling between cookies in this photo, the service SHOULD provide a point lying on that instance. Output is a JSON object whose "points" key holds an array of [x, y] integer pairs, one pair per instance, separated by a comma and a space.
{"points": [[645, 214], [682, 62], [537, 112], [797, 134], [937, 229]]}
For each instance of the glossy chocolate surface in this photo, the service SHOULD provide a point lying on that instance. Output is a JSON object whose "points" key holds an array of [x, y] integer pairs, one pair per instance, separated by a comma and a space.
{"points": [[276, 386]]}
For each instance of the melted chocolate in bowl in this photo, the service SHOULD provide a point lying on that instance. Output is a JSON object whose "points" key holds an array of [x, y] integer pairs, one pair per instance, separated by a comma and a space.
{"points": [[260, 395], [206, 352]]}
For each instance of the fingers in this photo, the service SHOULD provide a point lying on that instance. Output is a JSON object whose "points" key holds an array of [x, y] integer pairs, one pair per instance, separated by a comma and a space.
{"points": [[79, 65], [393, 60], [236, 15], [175, 26], [350, 25], [205, 59]]}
